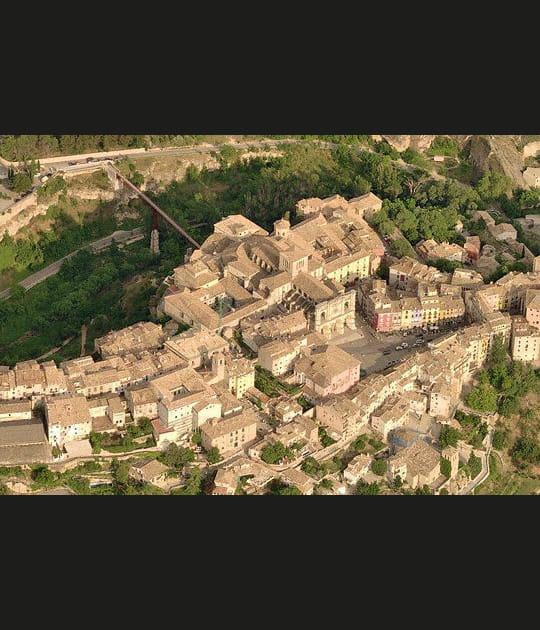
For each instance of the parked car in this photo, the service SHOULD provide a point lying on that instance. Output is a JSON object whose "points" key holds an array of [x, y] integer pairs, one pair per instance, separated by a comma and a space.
{"points": [[387, 351], [399, 348], [404, 345]]}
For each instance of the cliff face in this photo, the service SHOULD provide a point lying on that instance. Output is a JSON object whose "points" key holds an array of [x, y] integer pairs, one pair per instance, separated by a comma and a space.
{"points": [[499, 154], [415, 142], [502, 154]]}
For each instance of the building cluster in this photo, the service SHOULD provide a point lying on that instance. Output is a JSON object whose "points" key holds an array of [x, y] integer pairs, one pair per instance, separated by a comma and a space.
{"points": [[431, 250], [241, 272], [160, 383], [499, 231], [514, 299], [422, 389], [285, 296], [416, 296]]}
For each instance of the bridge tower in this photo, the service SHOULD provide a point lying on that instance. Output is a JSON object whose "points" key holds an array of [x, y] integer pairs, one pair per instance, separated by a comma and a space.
{"points": [[116, 182], [154, 234]]}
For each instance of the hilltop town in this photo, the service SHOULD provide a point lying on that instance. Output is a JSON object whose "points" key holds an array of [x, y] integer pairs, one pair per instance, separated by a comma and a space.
{"points": [[310, 361]]}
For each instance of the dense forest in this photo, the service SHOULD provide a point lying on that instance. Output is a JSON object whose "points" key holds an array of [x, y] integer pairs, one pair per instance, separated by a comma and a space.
{"points": [[265, 188], [110, 290]]}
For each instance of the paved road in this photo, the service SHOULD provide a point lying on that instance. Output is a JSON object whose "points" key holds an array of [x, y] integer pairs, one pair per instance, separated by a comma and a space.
{"points": [[80, 161], [119, 236]]}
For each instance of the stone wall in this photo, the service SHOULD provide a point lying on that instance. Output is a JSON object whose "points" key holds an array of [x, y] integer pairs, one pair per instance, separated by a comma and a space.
{"points": [[20, 214]]}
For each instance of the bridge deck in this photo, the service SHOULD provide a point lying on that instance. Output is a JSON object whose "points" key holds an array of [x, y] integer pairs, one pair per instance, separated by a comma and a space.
{"points": [[157, 209]]}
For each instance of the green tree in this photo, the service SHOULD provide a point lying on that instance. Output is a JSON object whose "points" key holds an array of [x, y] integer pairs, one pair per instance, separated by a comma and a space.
{"points": [[500, 440], [289, 490], [443, 146], [137, 179], [43, 475], [493, 185], [196, 438], [446, 467], [400, 248], [524, 452], [324, 438], [508, 406], [379, 467], [326, 484], [444, 491], [95, 441], [20, 182], [275, 453], [213, 455], [360, 443], [176, 456], [482, 398], [278, 487], [449, 436], [80, 485], [312, 467], [475, 465], [423, 490], [228, 155], [56, 452], [360, 186], [448, 266], [499, 352], [194, 483], [383, 271], [120, 471], [362, 487], [145, 425], [17, 292]]}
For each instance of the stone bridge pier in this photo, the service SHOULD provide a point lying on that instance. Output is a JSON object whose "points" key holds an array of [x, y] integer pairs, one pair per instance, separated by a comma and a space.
{"points": [[116, 182]]}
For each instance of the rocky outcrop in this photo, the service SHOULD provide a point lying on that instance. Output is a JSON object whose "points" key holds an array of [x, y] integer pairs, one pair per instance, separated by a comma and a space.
{"points": [[421, 142], [160, 171], [416, 142], [399, 143], [20, 214], [532, 148], [499, 154], [94, 193]]}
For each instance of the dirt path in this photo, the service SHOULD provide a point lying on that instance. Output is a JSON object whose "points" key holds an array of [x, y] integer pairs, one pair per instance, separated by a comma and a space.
{"points": [[48, 354], [84, 329]]}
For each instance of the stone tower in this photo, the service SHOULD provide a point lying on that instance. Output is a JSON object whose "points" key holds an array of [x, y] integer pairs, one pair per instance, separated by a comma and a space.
{"points": [[218, 366], [281, 228]]}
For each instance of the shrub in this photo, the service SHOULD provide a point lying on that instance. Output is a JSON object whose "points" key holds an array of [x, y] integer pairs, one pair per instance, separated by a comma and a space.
{"points": [[379, 467]]}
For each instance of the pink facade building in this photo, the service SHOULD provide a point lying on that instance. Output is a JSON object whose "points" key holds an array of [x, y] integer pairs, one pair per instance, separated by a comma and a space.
{"points": [[326, 371]]}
